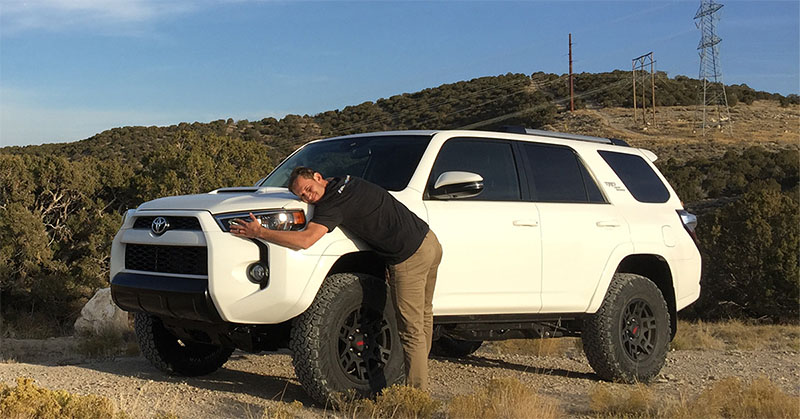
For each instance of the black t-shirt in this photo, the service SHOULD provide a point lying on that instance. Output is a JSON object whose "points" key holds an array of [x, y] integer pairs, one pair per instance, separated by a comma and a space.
{"points": [[372, 214]]}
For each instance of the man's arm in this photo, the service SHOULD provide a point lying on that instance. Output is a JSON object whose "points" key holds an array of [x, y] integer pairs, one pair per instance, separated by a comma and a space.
{"points": [[295, 240]]}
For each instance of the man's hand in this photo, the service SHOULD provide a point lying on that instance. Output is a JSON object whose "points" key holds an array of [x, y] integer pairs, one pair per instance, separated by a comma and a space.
{"points": [[295, 240], [244, 228]]}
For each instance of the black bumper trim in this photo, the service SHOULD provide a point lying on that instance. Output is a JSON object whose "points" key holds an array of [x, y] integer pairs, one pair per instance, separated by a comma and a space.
{"points": [[165, 296]]}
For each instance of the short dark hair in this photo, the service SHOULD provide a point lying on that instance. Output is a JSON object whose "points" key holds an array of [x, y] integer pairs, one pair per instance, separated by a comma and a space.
{"points": [[300, 171]]}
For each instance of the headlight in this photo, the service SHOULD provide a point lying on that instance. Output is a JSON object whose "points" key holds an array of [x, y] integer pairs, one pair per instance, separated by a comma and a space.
{"points": [[127, 214], [284, 220]]}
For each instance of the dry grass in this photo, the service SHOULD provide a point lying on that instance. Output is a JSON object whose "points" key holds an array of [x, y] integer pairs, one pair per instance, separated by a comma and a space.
{"points": [[730, 398], [34, 325], [396, 402], [27, 400], [504, 398], [637, 402], [736, 335], [727, 398], [108, 343], [536, 347], [283, 410]]}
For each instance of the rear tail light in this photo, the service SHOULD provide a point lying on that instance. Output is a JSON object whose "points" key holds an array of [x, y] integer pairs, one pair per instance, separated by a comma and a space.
{"points": [[689, 221]]}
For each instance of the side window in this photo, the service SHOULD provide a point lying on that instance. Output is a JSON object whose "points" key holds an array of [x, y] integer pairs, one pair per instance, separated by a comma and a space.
{"points": [[643, 183], [493, 160], [555, 174]]}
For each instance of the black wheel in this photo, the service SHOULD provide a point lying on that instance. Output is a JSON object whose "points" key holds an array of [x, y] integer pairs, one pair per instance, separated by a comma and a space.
{"points": [[347, 339], [454, 348], [628, 338], [174, 356]]}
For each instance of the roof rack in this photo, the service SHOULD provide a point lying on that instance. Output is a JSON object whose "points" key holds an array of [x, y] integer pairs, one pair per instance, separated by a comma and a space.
{"points": [[563, 135]]}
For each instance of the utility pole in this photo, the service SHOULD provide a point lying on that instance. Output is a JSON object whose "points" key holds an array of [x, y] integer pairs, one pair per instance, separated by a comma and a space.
{"points": [[714, 95], [638, 71], [571, 84]]}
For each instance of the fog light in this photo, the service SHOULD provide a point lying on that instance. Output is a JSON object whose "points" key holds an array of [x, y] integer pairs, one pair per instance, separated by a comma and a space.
{"points": [[258, 274]]}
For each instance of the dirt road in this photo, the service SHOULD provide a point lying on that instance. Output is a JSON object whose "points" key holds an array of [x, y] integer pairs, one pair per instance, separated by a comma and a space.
{"points": [[249, 383]]}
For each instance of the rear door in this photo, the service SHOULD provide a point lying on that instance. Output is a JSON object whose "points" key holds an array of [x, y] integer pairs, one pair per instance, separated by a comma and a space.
{"points": [[491, 261], [579, 228]]}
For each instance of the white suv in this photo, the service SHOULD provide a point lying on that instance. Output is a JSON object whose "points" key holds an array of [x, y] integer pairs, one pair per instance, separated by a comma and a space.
{"points": [[544, 235]]}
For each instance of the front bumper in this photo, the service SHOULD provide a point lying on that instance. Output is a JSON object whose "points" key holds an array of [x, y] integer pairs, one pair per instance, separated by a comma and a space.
{"points": [[179, 298]]}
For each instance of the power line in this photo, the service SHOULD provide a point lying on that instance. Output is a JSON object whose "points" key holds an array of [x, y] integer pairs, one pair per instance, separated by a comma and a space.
{"points": [[430, 108], [558, 101]]}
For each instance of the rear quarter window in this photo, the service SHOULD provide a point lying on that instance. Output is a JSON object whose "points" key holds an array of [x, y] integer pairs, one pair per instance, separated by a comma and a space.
{"points": [[640, 179]]}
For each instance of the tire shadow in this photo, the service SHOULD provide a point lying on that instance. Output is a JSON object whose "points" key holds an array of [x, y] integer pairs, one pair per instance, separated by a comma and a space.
{"points": [[225, 379], [484, 362]]}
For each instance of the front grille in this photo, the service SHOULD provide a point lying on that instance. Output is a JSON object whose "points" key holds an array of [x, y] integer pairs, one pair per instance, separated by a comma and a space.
{"points": [[190, 260], [175, 223]]}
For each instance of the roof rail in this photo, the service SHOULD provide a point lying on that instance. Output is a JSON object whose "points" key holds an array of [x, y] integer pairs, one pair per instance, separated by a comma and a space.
{"points": [[563, 135]]}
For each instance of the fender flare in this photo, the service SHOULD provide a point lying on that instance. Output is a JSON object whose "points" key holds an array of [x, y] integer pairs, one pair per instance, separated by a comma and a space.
{"points": [[617, 256], [333, 252]]}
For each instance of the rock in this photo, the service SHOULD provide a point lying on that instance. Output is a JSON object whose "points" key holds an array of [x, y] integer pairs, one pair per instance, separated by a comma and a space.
{"points": [[101, 314]]}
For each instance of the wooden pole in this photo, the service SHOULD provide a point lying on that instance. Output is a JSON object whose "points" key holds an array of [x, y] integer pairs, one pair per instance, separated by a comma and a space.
{"points": [[571, 88], [653, 86], [633, 73]]}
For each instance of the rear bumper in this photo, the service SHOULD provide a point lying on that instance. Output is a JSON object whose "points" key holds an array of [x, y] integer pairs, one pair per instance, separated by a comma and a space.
{"points": [[165, 296]]}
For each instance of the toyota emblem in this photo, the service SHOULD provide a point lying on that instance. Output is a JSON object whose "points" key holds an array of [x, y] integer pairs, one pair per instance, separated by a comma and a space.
{"points": [[159, 226]]}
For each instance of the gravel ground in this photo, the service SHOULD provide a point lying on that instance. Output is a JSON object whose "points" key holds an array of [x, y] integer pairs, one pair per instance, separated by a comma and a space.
{"points": [[248, 383]]}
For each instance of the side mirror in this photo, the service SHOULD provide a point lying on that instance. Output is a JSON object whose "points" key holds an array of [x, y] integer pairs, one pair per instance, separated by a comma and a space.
{"points": [[455, 185]]}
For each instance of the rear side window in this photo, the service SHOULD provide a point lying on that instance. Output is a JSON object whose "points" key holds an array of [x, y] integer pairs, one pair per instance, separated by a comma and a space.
{"points": [[643, 183], [493, 160], [555, 174]]}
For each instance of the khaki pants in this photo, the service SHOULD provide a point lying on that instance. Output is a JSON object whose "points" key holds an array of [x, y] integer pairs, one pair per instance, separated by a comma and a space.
{"points": [[412, 282]]}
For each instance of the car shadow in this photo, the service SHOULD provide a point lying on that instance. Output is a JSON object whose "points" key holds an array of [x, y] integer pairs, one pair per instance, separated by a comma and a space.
{"points": [[226, 379], [484, 362]]}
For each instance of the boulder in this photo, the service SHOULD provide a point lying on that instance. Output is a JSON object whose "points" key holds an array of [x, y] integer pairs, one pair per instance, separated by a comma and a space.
{"points": [[101, 314]]}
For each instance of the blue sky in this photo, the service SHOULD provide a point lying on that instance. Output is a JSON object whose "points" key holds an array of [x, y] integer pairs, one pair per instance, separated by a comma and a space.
{"points": [[73, 68]]}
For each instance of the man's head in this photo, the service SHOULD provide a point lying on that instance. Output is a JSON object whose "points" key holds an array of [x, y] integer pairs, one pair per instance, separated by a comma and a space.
{"points": [[307, 184]]}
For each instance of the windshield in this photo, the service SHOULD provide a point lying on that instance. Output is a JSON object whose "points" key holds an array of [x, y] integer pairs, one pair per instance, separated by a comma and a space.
{"points": [[387, 161]]}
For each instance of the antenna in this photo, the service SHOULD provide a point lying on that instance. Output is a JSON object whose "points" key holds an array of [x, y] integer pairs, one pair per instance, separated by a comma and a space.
{"points": [[714, 96]]}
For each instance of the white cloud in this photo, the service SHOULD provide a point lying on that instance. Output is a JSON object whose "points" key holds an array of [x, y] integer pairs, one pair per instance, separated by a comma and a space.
{"points": [[20, 16]]}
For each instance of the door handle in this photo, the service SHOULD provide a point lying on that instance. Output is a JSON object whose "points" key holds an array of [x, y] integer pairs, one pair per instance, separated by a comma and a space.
{"points": [[608, 223], [526, 223]]}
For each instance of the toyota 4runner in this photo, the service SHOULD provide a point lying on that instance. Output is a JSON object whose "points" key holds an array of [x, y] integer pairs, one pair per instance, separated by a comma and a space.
{"points": [[544, 235]]}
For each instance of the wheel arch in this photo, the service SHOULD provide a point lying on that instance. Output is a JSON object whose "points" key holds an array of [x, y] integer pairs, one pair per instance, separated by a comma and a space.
{"points": [[651, 266], [655, 268], [364, 261]]}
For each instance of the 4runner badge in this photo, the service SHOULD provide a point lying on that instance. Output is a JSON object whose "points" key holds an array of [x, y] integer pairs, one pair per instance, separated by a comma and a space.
{"points": [[159, 226], [614, 185]]}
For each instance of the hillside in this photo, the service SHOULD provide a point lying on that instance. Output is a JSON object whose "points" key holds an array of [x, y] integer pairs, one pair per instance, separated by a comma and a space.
{"points": [[604, 102], [676, 134]]}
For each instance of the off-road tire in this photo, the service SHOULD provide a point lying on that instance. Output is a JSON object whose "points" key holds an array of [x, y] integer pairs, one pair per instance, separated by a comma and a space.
{"points": [[628, 338], [174, 356], [326, 360], [454, 348]]}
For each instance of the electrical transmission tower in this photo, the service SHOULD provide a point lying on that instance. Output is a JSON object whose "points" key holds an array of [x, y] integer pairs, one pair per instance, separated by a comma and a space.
{"points": [[640, 76], [713, 95]]}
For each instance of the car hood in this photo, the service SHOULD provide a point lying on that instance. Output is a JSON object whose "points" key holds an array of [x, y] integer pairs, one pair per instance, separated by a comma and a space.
{"points": [[229, 200]]}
